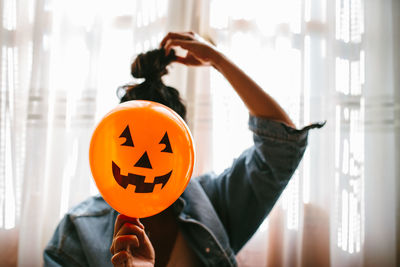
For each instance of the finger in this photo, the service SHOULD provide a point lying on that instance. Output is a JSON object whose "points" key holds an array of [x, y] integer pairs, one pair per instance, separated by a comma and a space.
{"points": [[144, 242], [177, 35], [130, 226], [120, 258], [125, 242], [121, 219], [132, 229], [131, 220], [185, 44]]}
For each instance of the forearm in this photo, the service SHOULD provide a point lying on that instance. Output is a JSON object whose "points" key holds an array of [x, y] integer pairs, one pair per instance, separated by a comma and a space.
{"points": [[258, 102], [201, 53]]}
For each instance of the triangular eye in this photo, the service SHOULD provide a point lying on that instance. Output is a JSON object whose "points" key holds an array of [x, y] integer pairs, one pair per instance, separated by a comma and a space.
{"points": [[128, 138], [165, 141]]}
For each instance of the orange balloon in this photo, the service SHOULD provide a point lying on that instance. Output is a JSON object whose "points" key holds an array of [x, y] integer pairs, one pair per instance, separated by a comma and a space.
{"points": [[141, 157]]}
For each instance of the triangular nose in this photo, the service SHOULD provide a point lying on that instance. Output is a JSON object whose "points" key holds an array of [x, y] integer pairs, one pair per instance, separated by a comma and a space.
{"points": [[144, 162]]}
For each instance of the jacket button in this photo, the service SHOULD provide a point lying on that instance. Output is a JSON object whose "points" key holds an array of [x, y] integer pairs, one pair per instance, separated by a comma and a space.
{"points": [[207, 250]]}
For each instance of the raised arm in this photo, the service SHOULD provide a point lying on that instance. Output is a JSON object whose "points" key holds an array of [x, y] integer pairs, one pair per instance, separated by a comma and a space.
{"points": [[246, 191], [201, 53]]}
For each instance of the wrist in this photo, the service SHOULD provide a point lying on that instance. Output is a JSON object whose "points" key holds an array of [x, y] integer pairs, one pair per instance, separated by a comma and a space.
{"points": [[216, 59]]}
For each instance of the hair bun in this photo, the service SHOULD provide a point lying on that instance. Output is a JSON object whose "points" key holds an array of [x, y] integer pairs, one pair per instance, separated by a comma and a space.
{"points": [[152, 65]]}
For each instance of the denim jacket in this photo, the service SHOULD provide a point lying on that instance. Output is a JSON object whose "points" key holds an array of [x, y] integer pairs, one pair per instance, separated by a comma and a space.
{"points": [[217, 214]]}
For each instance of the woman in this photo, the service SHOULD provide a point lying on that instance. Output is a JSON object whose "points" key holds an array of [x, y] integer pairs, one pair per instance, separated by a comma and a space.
{"points": [[217, 214]]}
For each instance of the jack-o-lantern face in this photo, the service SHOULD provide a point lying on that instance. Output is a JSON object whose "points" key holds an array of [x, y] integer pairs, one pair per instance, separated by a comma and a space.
{"points": [[141, 157], [144, 162]]}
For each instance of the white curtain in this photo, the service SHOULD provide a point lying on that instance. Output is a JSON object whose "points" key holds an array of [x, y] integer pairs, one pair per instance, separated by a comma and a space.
{"points": [[323, 60], [61, 62]]}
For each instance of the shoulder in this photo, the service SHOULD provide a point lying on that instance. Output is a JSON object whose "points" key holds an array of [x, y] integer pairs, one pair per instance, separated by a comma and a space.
{"points": [[93, 206], [199, 192], [202, 184], [77, 239], [68, 228]]}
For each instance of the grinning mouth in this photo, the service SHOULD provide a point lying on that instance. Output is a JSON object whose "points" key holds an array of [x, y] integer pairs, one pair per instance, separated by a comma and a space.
{"points": [[138, 180]]}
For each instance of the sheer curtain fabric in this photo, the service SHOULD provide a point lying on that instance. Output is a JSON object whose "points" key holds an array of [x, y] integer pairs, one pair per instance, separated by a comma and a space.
{"points": [[61, 62]]}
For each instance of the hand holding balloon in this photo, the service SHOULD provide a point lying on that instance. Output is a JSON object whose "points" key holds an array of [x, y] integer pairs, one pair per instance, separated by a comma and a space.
{"points": [[131, 246]]}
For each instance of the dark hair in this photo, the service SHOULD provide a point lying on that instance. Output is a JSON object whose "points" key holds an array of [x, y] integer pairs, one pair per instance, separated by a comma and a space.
{"points": [[151, 66]]}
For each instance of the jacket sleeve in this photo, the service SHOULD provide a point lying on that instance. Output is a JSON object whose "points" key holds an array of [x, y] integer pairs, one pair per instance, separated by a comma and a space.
{"points": [[245, 193], [64, 249]]}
